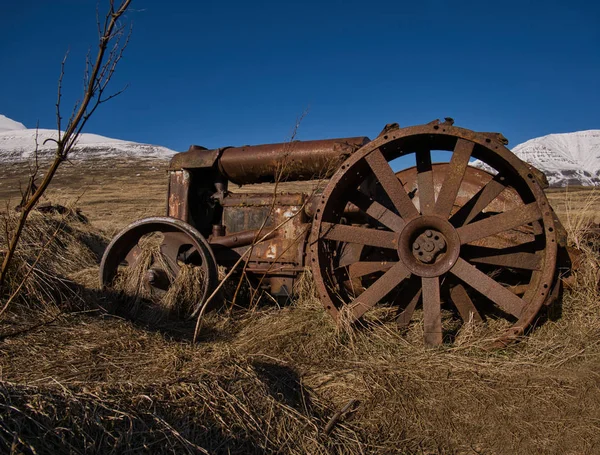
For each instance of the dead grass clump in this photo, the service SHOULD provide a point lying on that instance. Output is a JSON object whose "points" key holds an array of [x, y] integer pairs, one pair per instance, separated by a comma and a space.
{"points": [[346, 329], [234, 412], [574, 338], [579, 213], [305, 291], [185, 291], [132, 280], [270, 380], [53, 248]]}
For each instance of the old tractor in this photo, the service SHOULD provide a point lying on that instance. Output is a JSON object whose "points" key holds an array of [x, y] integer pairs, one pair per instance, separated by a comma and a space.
{"points": [[471, 237]]}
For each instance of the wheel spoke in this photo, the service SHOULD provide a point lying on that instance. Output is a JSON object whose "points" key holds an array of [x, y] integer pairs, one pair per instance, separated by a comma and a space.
{"points": [[454, 178], [432, 310], [171, 244], [425, 182], [132, 256], [359, 269], [392, 186], [359, 235], [506, 257], [490, 288], [414, 294], [479, 201], [499, 223], [377, 211], [378, 290], [464, 304]]}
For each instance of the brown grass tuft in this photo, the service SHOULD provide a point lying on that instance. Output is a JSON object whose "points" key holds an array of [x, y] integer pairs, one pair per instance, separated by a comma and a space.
{"points": [[52, 250]]}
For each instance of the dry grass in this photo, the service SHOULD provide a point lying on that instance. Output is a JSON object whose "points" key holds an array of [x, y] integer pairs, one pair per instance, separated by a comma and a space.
{"points": [[578, 208], [52, 249], [149, 304], [268, 381], [112, 193]]}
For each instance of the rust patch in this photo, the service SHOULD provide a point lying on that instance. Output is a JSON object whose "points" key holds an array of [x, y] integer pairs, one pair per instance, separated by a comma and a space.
{"points": [[178, 200]]}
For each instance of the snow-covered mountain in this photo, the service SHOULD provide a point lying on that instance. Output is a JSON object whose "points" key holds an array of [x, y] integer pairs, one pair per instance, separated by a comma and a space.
{"points": [[7, 124], [17, 143], [566, 159]]}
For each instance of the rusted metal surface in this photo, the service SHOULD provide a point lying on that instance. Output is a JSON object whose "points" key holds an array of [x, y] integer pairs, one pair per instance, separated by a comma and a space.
{"points": [[298, 160], [464, 304], [428, 246], [436, 236], [195, 158], [263, 200], [177, 199], [243, 238], [494, 232], [286, 246], [497, 198], [280, 258], [416, 231]]}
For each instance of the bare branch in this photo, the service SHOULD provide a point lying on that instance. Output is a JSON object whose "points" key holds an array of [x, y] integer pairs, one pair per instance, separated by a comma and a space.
{"points": [[96, 79], [110, 23], [59, 96], [50, 139], [37, 146], [86, 70], [98, 20]]}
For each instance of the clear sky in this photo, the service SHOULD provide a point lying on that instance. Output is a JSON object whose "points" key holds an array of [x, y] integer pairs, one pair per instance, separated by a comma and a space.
{"points": [[219, 73]]}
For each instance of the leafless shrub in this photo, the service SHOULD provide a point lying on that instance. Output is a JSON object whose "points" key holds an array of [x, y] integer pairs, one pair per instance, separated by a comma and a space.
{"points": [[112, 42]]}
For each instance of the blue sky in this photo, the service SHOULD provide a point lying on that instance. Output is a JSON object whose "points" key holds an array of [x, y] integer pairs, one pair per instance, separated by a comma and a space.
{"points": [[219, 73]]}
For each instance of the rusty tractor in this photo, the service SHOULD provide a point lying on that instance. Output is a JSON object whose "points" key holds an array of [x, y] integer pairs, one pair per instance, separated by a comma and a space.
{"points": [[461, 242]]}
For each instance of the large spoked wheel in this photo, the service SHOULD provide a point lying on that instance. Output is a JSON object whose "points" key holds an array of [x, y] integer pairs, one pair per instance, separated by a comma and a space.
{"points": [[477, 247], [153, 256]]}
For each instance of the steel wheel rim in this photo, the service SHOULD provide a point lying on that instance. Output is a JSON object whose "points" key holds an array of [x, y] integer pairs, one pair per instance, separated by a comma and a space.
{"points": [[177, 232], [464, 144]]}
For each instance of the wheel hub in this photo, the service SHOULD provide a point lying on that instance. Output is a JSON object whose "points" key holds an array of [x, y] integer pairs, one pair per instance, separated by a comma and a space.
{"points": [[157, 278], [429, 246]]}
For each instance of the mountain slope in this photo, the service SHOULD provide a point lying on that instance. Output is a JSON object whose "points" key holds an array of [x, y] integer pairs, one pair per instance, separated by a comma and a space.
{"points": [[7, 124], [566, 159], [17, 144]]}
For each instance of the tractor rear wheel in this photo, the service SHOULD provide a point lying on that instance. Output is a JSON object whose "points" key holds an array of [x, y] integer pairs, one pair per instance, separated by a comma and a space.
{"points": [[450, 238]]}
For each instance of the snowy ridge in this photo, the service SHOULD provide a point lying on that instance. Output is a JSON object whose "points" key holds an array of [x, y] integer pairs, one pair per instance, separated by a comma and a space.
{"points": [[566, 159], [17, 144], [7, 124]]}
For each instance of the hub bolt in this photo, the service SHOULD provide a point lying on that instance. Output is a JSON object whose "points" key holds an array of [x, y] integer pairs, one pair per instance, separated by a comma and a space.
{"points": [[151, 276]]}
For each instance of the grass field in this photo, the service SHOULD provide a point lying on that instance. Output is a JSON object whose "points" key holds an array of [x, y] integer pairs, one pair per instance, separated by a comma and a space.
{"points": [[84, 380]]}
